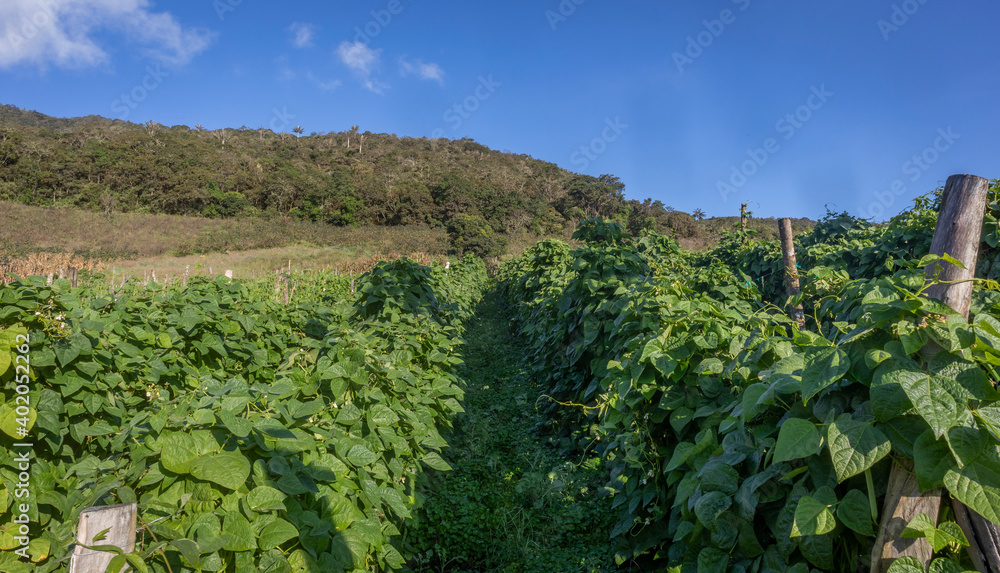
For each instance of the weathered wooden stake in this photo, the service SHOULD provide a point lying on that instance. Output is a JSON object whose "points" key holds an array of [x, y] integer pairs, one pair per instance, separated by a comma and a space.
{"points": [[791, 268], [119, 520], [958, 234], [743, 220], [72, 277]]}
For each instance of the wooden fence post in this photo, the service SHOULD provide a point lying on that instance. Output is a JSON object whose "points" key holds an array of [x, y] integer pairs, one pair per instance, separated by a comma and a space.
{"points": [[119, 520], [958, 234], [791, 268], [743, 220]]}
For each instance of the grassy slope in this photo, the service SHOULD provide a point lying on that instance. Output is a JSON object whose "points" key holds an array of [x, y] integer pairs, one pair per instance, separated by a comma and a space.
{"points": [[512, 503], [138, 243]]}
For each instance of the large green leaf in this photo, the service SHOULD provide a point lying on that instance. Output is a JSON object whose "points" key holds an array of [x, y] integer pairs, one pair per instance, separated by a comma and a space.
{"points": [[906, 565], [15, 426], [178, 453], [710, 506], [228, 469], [238, 425], [812, 517], [930, 398], [238, 529], [382, 415], [361, 456], [854, 511], [977, 485], [855, 446], [798, 438], [5, 359], [922, 526], [266, 498], [824, 365], [711, 560], [932, 458], [434, 460], [275, 533], [342, 511]]}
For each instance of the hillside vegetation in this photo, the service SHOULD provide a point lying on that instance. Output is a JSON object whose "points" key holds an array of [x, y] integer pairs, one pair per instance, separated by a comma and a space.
{"points": [[484, 199]]}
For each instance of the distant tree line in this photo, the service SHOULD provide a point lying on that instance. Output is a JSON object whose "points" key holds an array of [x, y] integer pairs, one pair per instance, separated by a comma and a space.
{"points": [[480, 196]]}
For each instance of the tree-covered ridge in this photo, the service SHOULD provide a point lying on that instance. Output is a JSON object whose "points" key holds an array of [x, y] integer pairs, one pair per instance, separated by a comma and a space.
{"points": [[480, 195]]}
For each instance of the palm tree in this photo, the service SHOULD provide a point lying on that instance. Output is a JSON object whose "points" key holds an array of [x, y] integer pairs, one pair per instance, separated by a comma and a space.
{"points": [[354, 131], [698, 214], [297, 130], [223, 136]]}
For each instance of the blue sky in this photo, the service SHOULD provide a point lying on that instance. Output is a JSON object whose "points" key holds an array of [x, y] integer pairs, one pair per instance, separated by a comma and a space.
{"points": [[859, 105]]}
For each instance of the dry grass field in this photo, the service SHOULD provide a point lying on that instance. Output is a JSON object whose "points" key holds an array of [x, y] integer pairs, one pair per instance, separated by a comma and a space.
{"points": [[38, 241]]}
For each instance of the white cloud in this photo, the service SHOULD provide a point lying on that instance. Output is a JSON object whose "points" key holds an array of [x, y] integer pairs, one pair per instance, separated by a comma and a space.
{"points": [[302, 34], [363, 61], [62, 32], [358, 56], [325, 85], [422, 70]]}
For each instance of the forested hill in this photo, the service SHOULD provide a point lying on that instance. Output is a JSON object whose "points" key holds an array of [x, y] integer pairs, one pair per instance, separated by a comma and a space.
{"points": [[480, 195]]}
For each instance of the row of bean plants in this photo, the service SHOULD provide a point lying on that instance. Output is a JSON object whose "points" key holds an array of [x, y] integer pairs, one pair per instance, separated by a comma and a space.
{"points": [[253, 435], [735, 441]]}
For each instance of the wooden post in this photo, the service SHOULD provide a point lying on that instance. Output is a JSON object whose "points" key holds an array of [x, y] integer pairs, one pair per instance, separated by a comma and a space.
{"points": [[119, 520], [791, 268], [72, 277], [962, 209], [958, 233], [903, 502]]}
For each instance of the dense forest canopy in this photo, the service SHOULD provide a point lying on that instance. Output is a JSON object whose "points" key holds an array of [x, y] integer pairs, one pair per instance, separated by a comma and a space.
{"points": [[480, 195]]}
